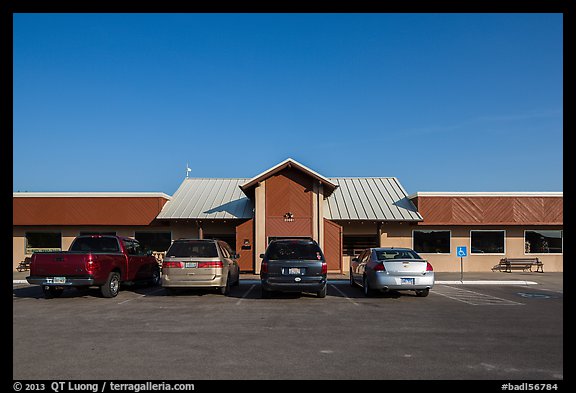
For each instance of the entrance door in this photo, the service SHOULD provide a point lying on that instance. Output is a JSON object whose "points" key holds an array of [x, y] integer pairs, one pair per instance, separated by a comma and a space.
{"points": [[245, 245], [333, 245]]}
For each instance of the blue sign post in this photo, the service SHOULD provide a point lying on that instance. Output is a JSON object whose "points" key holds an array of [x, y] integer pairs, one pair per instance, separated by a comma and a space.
{"points": [[462, 252]]}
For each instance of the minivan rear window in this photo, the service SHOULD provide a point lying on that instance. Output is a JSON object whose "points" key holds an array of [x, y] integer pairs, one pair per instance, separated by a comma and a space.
{"points": [[293, 250], [192, 249]]}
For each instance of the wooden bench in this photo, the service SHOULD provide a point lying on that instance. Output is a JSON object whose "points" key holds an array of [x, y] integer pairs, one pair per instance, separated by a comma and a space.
{"points": [[24, 265], [519, 263]]}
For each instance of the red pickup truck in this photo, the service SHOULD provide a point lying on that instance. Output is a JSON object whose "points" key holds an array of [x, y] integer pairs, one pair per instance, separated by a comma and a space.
{"points": [[103, 261]]}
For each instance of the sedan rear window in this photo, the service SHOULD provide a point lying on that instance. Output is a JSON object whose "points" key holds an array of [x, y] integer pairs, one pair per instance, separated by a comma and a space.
{"points": [[382, 255], [294, 250], [192, 249]]}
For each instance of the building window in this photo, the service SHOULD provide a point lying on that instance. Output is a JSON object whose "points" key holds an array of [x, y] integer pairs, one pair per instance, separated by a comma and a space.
{"points": [[43, 242], [542, 242], [354, 245], [154, 241], [430, 241], [229, 239], [487, 242]]}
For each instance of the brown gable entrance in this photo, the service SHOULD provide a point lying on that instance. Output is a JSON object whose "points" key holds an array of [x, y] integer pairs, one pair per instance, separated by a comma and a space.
{"points": [[289, 202], [289, 199]]}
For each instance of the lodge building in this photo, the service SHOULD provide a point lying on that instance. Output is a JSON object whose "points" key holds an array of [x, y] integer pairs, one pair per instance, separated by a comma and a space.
{"points": [[344, 214]]}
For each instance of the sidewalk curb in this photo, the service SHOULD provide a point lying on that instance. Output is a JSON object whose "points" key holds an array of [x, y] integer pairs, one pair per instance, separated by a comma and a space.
{"points": [[487, 282]]}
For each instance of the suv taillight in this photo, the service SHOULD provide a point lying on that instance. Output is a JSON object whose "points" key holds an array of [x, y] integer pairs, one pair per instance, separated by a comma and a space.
{"points": [[324, 268], [429, 267], [379, 267], [177, 265], [264, 267]]}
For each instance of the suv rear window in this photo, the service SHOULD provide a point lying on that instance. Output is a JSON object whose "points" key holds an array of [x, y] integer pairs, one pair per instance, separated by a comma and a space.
{"points": [[192, 249], [95, 244], [283, 250]]}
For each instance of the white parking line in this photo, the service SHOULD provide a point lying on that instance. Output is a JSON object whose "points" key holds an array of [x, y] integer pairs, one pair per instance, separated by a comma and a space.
{"points": [[245, 294], [343, 294], [141, 296], [471, 297]]}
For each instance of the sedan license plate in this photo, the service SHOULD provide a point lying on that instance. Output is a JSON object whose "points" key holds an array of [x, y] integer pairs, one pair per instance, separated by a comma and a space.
{"points": [[407, 281], [59, 280], [191, 264]]}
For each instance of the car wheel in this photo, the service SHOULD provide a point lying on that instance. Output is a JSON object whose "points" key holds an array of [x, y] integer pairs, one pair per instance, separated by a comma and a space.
{"points": [[225, 290], [322, 293], [52, 292], [352, 282], [422, 292], [368, 292], [112, 285], [156, 278]]}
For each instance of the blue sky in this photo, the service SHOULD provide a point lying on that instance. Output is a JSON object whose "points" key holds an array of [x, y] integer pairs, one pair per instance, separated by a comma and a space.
{"points": [[443, 102]]}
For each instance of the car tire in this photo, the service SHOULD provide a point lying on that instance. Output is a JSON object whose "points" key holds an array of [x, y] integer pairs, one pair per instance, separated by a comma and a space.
{"points": [[352, 282], [52, 292], [112, 285], [225, 290], [422, 292], [156, 278], [368, 292], [322, 293]]}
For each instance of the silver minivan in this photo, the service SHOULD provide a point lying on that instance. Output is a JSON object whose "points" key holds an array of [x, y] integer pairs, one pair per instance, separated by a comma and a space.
{"points": [[200, 263]]}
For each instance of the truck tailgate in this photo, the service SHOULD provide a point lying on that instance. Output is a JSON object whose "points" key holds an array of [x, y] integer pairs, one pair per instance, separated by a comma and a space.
{"points": [[58, 264]]}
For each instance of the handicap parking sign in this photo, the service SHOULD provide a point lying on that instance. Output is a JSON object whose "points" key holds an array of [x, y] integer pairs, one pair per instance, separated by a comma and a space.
{"points": [[461, 251]]}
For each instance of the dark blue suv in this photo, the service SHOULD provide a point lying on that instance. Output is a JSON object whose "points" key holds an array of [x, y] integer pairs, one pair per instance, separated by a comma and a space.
{"points": [[293, 265]]}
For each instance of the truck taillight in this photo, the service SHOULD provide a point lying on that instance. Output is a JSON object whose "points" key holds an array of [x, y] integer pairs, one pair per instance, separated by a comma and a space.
{"points": [[324, 268], [176, 265], [429, 267], [91, 266], [211, 264], [379, 267]]}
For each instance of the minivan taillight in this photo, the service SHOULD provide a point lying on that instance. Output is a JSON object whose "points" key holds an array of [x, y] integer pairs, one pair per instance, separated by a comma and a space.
{"points": [[176, 265], [264, 267], [213, 264], [379, 267], [324, 268], [429, 267]]}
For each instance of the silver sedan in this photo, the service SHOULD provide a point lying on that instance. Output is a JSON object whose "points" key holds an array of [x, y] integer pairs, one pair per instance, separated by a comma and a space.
{"points": [[391, 268]]}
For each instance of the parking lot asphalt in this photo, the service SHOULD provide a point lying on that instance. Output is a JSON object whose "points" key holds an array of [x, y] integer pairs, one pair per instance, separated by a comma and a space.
{"points": [[461, 331]]}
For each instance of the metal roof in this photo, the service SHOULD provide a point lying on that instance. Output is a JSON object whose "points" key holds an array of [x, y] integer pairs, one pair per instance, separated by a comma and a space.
{"points": [[208, 198], [379, 198], [370, 198]]}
